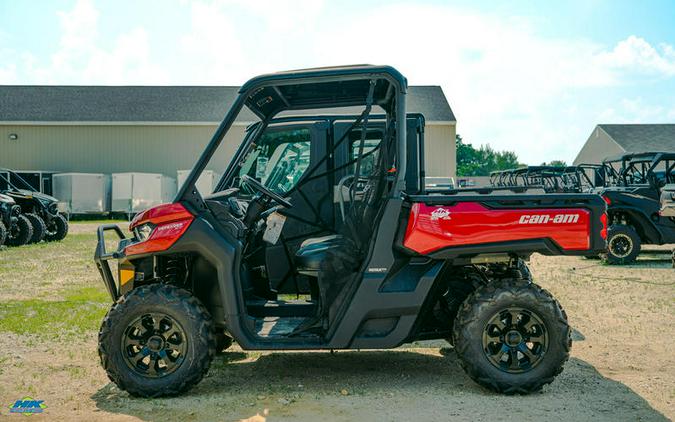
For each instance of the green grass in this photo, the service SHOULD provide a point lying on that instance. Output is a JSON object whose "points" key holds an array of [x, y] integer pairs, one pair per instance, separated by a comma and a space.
{"points": [[81, 310]]}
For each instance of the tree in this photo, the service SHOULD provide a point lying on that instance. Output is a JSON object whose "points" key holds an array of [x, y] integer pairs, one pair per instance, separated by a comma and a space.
{"points": [[555, 163], [482, 161]]}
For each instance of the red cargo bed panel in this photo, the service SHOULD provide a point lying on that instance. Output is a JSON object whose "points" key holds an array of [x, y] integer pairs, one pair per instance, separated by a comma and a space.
{"points": [[432, 227]]}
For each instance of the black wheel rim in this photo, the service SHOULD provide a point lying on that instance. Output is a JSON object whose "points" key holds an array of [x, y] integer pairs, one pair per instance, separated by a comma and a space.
{"points": [[515, 340], [621, 245], [52, 228], [154, 345]]}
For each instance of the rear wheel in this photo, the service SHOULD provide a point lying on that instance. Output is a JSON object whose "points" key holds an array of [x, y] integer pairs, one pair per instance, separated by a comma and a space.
{"points": [[512, 337], [157, 340], [39, 227], [623, 245], [57, 229], [20, 233]]}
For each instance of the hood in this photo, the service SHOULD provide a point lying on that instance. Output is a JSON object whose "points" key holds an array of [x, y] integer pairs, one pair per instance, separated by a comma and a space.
{"points": [[32, 194], [7, 199]]}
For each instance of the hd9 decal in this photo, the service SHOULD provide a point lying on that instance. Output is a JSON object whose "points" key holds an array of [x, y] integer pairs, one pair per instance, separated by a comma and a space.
{"points": [[431, 228]]}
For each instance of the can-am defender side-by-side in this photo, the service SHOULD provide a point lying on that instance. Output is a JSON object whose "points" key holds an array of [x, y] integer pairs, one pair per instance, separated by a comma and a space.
{"points": [[335, 212], [40, 209], [634, 203], [15, 228]]}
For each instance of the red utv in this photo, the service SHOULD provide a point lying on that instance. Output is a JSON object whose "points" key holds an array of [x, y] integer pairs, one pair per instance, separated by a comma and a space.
{"points": [[322, 235]]}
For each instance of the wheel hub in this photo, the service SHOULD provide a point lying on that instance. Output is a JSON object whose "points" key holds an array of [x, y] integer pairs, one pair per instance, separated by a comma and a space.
{"points": [[621, 245], [154, 345], [515, 340]]}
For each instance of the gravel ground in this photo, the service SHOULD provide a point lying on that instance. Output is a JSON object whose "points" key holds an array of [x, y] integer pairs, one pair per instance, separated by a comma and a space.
{"points": [[622, 366]]}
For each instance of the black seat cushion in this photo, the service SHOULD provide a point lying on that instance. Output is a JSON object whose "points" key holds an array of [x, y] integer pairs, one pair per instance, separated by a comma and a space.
{"points": [[314, 250]]}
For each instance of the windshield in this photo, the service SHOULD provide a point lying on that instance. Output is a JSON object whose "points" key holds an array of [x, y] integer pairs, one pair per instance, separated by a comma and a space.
{"points": [[279, 159]]}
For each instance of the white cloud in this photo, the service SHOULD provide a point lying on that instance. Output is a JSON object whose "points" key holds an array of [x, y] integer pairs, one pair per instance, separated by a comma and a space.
{"points": [[637, 55], [80, 59], [508, 85]]}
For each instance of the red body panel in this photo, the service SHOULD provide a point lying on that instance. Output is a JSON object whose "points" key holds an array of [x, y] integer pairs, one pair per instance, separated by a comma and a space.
{"points": [[431, 228]]}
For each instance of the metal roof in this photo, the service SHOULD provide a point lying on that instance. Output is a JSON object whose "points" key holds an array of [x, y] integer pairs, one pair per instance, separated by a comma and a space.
{"points": [[642, 137], [54, 103]]}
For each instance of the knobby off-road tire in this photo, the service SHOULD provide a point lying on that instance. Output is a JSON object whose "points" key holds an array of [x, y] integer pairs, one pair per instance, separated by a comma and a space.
{"points": [[474, 320], [623, 245], [20, 233], [57, 229], [166, 315], [3, 233], [39, 227]]}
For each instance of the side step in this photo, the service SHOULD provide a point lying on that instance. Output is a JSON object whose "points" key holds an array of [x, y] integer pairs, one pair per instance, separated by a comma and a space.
{"points": [[280, 308]]}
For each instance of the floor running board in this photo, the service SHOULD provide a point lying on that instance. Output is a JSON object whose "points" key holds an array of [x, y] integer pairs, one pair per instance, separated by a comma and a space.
{"points": [[276, 326]]}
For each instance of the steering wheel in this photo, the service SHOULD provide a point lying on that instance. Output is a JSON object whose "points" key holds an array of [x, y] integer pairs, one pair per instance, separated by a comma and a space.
{"points": [[265, 191]]}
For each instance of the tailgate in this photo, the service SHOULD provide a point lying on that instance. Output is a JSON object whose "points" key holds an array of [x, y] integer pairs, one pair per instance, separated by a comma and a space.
{"points": [[449, 226]]}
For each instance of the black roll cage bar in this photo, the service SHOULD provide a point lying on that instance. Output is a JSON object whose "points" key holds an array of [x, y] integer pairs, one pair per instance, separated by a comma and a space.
{"points": [[300, 82]]}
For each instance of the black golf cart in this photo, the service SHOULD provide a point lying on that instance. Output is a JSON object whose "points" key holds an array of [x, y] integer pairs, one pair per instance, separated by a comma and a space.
{"points": [[634, 203], [40, 209], [322, 235]]}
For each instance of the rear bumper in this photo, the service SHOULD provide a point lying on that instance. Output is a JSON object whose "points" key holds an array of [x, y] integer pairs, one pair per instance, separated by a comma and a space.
{"points": [[101, 257]]}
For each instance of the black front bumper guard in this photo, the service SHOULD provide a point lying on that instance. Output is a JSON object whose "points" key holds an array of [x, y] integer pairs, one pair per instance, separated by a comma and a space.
{"points": [[101, 257]]}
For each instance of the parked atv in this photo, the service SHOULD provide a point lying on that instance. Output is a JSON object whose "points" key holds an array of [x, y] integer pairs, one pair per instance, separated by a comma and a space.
{"points": [[15, 228], [634, 204], [335, 210], [40, 209]]}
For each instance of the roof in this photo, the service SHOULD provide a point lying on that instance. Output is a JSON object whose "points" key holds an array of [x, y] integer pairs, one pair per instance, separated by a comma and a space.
{"points": [[53, 103], [642, 137]]}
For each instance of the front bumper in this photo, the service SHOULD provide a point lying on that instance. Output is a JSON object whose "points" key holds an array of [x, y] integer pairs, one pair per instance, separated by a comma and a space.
{"points": [[101, 257]]}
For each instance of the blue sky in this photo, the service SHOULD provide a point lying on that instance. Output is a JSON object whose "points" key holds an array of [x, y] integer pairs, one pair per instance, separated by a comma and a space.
{"points": [[529, 76]]}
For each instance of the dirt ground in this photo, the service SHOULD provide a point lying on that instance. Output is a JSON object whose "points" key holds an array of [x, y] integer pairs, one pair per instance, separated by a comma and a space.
{"points": [[622, 366]]}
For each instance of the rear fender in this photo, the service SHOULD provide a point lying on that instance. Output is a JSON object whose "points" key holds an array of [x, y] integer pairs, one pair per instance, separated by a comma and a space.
{"points": [[644, 226]]}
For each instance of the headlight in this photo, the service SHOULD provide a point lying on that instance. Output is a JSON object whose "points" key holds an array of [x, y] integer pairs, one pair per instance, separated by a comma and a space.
{"points": [[143, 231]]}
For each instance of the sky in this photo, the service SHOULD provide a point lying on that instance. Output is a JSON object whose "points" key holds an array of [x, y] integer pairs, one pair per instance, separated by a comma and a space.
{"points": [[531, 77]]}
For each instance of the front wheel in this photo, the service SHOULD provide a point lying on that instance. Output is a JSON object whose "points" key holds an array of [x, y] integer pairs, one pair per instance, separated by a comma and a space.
{"points": [[39, 227], [623, 245], [57, 229], [20, 233], [3, 233], [512, 336], [157, 340]]}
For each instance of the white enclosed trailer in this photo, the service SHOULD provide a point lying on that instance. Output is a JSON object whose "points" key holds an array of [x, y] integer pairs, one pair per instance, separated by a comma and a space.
{"points": [[206, 182], [135, 192], [82, 193]]}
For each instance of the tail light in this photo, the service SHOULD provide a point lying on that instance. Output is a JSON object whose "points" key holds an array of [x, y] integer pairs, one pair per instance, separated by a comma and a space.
{"points": [[603, 221], [158, 228], [607, 200]]}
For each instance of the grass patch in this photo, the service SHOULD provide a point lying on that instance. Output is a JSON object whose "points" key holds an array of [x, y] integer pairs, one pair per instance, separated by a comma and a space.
{"points": [[80, 311]]}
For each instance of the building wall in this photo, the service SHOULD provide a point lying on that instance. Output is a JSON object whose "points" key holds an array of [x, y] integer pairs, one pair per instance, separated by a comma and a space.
{"points": [[155, 148], [440, 157], [598, 147], [110, 149]]}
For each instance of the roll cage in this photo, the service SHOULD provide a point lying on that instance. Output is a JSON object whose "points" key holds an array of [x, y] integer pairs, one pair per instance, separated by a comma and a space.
{"points": [[648, 168], [269, 95]]}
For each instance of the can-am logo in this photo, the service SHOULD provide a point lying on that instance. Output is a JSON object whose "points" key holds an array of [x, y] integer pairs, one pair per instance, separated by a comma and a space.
{"points": [[440, 214], [545, 218]]}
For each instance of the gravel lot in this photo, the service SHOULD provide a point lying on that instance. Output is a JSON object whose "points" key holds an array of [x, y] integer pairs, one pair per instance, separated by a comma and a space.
{"points": [[622, 366]]}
